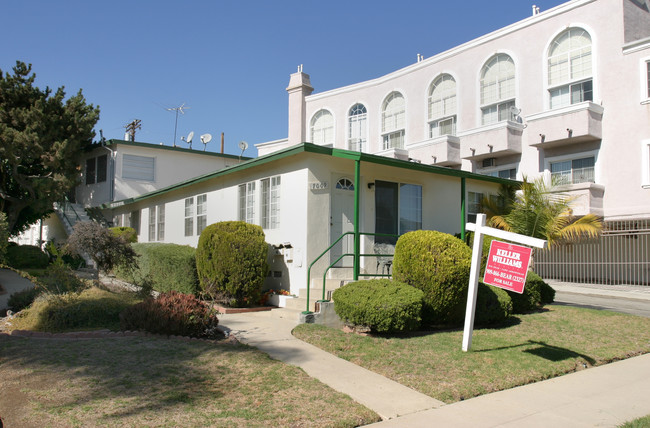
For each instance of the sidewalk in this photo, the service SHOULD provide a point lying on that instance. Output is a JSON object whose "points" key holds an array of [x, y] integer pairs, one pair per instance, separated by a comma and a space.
{"points": [[630, 292], [605, 396]]}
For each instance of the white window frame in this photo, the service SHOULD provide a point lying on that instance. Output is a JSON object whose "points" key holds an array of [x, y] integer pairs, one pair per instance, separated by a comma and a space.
{"points": [[152, 224], [448, 100], [321, 128], [645, 164], [189, 216], [201, 213], [247, 202], [494, 172], [645, 80], [270, 202], [160, 223], [393, 122], [473, 204], [577, 156], [564, 87], [358, 128], [496, 109]]}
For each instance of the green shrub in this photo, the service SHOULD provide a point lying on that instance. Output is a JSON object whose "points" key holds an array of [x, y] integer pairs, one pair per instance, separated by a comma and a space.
{"points": [[167, 266], [60, 279], [438, 264], [4, 236], [231, 262], [172, 314], [536, 294], [493, 305], [91, 309], [22, 299], [128, 234], [380, 304], [26, 256]]}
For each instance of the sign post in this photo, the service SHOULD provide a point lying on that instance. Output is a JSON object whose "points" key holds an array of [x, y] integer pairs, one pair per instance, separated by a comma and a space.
{"points": [[480, 229]]}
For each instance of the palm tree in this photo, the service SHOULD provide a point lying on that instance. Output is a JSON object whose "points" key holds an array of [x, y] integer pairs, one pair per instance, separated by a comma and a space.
{"points": [[537, 211]]}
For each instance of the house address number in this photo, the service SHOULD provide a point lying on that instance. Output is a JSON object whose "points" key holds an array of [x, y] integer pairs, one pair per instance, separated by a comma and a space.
{"points": [[318, 186]]}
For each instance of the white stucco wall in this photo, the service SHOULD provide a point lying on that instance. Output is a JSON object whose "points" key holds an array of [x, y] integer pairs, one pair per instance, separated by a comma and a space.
{"points": [[619, 82]]}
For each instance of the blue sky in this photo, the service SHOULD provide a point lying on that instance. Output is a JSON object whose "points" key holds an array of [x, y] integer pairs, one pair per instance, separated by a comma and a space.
{"points": [[228, 61]]}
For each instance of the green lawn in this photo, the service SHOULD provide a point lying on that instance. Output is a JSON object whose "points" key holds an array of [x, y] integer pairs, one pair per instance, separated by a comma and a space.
{"points": [[529, 348], [643, 422], [151, 381]]}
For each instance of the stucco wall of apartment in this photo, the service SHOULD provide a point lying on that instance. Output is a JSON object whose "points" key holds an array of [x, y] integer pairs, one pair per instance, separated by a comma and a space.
{"points": [[612, 128]]}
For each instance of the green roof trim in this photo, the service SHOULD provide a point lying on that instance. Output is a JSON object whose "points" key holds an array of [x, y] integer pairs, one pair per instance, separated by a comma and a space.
{"points": [[112, 142], [312, 148]]}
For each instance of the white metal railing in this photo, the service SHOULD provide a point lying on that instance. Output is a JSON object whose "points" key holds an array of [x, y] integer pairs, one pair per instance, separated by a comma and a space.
{"points": [[620, 256], [574, 176]]}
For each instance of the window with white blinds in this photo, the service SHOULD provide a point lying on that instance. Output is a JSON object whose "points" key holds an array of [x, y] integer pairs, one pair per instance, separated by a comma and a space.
{"points": [[570, 74], [322, 128], [138, 167], [497, 88]]}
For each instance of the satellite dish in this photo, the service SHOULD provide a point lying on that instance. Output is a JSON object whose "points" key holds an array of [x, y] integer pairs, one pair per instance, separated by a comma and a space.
{"points": [[188, 140], [205, 139], [514, 114], [243, 145]]}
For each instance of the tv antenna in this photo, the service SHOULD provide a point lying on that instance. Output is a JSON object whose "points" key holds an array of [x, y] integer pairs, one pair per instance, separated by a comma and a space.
{"points": [[243, 145], [205, 139], [189, 139], [180, 109]]}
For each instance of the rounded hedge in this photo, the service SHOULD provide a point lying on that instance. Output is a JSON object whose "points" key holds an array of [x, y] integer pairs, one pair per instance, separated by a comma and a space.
{"points": [[493, 305], [26, 257], [380, 304], [438, 264], [231, 262]]}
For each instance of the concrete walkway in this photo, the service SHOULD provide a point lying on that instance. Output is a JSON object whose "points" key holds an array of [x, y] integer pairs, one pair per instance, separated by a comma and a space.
{"points": [[271, 332], [11, 282], [604, 396]]}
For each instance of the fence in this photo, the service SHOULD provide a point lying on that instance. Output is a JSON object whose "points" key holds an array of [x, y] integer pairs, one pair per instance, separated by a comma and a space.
{"points": [[620, 256]]}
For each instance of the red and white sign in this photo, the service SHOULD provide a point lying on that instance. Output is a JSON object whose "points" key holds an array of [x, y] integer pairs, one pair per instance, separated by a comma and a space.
{"points": [[507, 266]]}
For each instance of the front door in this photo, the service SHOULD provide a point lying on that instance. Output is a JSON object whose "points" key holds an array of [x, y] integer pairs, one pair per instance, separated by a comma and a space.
{"points": [[342, 221]]}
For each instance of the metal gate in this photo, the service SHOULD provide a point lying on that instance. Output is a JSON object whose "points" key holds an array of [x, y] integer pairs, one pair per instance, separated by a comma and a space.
{"points": [[620, 256]]}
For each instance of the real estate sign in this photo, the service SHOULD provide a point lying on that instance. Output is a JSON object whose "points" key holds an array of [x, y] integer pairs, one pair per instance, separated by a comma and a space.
{"points": [[507, 266]]}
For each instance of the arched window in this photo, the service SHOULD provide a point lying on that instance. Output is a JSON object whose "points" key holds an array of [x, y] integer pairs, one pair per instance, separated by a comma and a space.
{"points": [[393, 121], [345, 184], [322, 128], [442, 106], [497, 89], [357, 128], [570, 76]]}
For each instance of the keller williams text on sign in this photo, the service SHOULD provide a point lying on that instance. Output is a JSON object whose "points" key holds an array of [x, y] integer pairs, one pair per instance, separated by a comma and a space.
{"points": [[507, 266]]}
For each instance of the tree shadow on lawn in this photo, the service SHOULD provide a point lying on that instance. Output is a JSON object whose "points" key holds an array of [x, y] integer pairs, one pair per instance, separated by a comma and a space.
{"points": [[121, 377]]}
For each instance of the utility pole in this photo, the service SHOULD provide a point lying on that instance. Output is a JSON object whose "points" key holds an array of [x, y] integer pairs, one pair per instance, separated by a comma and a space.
{"points": [[132, 127]]}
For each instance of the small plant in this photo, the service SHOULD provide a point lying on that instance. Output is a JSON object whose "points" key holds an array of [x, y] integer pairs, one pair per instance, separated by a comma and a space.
{"points": [[128, 234], [271, 292], [231, 262], [26, 257], [101, 245], [22, 299], [380, 304], [172, 314], [60, 279]]}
